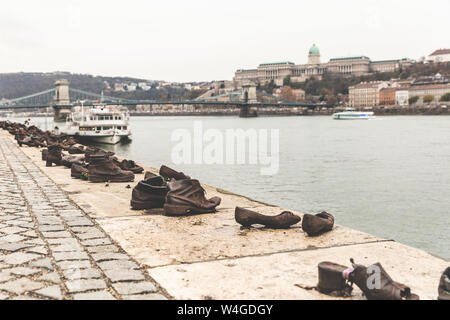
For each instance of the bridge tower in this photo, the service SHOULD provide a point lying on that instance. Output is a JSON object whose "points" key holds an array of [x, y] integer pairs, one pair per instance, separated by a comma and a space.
{"points": [[249, 93], [248, 97], [61, 105]]}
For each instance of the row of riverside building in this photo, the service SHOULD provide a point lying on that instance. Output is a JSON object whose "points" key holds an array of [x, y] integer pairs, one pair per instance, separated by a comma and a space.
{"points": [[352, 65], [398, 92]]}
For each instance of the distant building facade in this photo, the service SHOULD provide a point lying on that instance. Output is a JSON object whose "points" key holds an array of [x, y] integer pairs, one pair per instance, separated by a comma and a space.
{"points": [[366, 94], [441, 55], [402, 97], [354, 65], [435, 86], [387, 96], [435, 90], [299, 94]]}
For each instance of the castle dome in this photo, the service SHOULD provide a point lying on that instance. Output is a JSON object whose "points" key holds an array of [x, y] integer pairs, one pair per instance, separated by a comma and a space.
{"points": [[314, 50]]}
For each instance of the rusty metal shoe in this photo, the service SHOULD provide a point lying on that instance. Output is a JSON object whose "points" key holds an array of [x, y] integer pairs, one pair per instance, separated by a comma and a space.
{"points": [[44, 154], [315, 225], [128, 165], [376, 284], [149, 194], [149, 175], [188, 197], [69, 160], [247, 218], [332, 279], [444, 286], [76, 150], [79, 171], [102, 169], [169, 174], [53, 155], [26, 140], [97, 151]]}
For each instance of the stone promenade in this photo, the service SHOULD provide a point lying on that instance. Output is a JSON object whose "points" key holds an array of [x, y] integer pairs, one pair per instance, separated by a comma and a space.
{"points": [[50, 249], [64, 238]]}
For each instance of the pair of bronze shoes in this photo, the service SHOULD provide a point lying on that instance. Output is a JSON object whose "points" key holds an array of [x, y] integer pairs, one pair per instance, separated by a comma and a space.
{"points": [[374, 282], [313, 225], [174, 191]]}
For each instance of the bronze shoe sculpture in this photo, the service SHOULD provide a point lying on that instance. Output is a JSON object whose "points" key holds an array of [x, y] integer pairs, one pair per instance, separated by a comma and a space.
{"points": [[102, 169], [97, 151], [188, 197], [444, 286], [376, 284], [315, 225], [79, 171], [169, 174], [44, 154], [149, 175], [53, 155], [76, 150], [247, 218], [128, 165], [68, 160], [333, 279], [149, 194]]}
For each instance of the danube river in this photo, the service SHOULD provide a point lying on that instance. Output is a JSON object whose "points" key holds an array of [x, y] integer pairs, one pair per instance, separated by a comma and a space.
{"points": [[389, 177]]}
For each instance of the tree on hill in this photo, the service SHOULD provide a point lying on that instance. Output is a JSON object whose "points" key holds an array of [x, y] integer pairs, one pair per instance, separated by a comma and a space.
{"points": [[445, 97], [287, 81], [287, 94], [428, 98], [413, 99]]}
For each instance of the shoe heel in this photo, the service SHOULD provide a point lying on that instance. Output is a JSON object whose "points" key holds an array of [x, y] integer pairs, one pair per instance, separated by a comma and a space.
{"points": [[48, 163], [172, 210], [331, 277], [139, 205]]}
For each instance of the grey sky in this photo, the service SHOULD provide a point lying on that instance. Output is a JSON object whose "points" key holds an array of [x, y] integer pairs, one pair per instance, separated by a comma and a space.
{"points": [[208, 40]]}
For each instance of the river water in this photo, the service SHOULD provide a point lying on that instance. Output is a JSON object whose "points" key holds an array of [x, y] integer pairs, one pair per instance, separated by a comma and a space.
{"points": [[389, 177]]}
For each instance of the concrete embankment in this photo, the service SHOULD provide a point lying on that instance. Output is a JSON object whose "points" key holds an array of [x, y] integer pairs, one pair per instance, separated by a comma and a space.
{"points": [[294, 111], [210, 256]]}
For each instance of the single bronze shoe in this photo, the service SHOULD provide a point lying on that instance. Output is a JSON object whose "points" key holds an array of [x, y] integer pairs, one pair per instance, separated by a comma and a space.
{"points": [[168, 174], [76, 150], [247, 218], [68, 160], [444, 286], [315, 225], [26, 140], [128, 165], [44, 154], [149, 194], [79, 171], [149, 175], [333, 279], [188, 197], [53, 155], [97, 151], [102, 169], [376, 284]]}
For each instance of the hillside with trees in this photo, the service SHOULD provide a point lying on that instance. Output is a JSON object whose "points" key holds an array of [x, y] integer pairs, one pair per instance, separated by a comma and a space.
{"points": [[14, 85]]}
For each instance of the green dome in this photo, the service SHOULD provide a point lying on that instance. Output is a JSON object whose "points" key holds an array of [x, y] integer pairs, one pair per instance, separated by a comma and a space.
{"points": [[314, 50]]}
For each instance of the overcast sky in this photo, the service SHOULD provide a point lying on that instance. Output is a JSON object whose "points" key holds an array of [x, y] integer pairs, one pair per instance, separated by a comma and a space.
{"points": [[198, 40]]}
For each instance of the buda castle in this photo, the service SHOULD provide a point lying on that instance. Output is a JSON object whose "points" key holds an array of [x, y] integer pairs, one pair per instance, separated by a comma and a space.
{"points": [[353, 65]]}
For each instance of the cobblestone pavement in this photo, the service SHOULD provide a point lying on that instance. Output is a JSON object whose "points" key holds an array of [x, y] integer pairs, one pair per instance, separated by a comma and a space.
{"points": [[50, 249]]}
